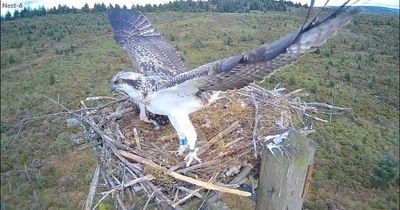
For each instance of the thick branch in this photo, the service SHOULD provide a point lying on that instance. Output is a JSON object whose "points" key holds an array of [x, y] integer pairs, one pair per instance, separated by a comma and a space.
{"points": [[92, 189], [185, 178]]}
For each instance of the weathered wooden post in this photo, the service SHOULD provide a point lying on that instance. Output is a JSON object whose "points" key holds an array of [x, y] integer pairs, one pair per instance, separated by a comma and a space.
{"points": [[285, 176]]}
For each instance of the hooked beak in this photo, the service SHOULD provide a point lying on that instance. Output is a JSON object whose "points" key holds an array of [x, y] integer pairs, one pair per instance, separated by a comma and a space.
{"points": [[111, 88]]}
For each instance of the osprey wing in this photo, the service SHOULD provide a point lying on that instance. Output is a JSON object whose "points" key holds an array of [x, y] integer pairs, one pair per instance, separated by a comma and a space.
{"points": [[147, 49], [239, 71]]}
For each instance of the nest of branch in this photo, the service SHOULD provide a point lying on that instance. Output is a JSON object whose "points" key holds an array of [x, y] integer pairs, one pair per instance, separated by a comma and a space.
{"points": [[133, 156]]}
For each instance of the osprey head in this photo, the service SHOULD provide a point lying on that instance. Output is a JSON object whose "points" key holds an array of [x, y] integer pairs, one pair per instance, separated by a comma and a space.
{"points": [[128, 82]]}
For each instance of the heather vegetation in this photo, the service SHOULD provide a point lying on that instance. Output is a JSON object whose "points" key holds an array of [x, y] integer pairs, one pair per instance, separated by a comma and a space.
{"points": [[72, 55]]}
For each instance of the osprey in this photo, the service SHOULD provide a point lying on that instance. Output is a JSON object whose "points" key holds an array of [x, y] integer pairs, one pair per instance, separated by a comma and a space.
{"points": [[162, 85]]}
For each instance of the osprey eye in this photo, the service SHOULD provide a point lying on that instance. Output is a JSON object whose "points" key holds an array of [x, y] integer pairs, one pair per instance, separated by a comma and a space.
{"points": [[120, 81]]}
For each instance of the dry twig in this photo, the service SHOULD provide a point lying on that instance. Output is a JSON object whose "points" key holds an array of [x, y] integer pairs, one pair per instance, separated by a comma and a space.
{"points": [[256, 120], [92, 188]]}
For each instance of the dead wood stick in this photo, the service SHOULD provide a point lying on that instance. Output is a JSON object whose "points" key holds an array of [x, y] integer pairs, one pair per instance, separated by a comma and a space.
{"points": [[173, 168], [137, 152], [21, 123], [227, 185], [204, 200], [130, 183], [113, 102], [117, 195], [242, 154], [95, 98], [238, 148], [46, 116], [235, 125], [136, 181], [164, 138], [117, 114], [142, 184], [127, 148], [159, 149], [105, 194], [180, 201], [119, 132], [294, 92], [229, 144], [316, 118], [184, 178], [200, 165], [176, 195], [256, 120], [85, 147], [148, 201], [194, 192], [126, 177], [242, 175], [327, 106], [25, 120], [92, 188], [137, 140], [237, 180], [189, 191], [162, 198]]}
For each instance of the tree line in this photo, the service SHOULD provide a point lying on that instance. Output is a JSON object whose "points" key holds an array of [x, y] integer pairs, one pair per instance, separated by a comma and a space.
{"points": [[181, 5]]}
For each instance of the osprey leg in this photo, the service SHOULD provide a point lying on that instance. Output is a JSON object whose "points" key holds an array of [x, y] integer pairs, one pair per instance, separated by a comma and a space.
{"points": [[185, 129], [182, 146], [182, 138]]}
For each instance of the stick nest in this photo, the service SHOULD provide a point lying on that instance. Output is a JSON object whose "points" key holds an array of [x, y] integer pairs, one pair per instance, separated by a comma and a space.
{"points": [[231, 134]]}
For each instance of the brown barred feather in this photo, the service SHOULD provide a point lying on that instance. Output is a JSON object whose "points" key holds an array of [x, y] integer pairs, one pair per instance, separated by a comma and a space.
{"points": [[147, 49], [239, 71]]}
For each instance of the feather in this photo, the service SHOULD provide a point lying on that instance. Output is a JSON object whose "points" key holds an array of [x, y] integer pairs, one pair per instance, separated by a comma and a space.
{"points": [[150, 54], [239, 71]]}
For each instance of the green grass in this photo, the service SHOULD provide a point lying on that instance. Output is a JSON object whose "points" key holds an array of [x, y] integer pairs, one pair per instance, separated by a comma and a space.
{"points": [[358, 68]]}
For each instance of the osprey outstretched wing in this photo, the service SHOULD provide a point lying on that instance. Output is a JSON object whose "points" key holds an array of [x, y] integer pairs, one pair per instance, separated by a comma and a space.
{"points": [[182, 93], [255, 65], [147, 49]]}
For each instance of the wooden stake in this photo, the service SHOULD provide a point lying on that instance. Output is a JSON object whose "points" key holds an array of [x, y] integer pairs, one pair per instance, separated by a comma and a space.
{"points": [[284, 173]]}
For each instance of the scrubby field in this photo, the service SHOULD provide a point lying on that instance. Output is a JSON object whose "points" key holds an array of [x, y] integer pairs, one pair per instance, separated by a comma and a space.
{"points": [[73, 56]]}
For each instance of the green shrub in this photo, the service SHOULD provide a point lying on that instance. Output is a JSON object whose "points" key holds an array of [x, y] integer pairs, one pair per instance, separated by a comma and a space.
{"points": [[385, 173], [347, 76], [16, 44], [228, 40], [12, 59], [51, 79], [4, 127], [198, 43], [245, 37]]}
